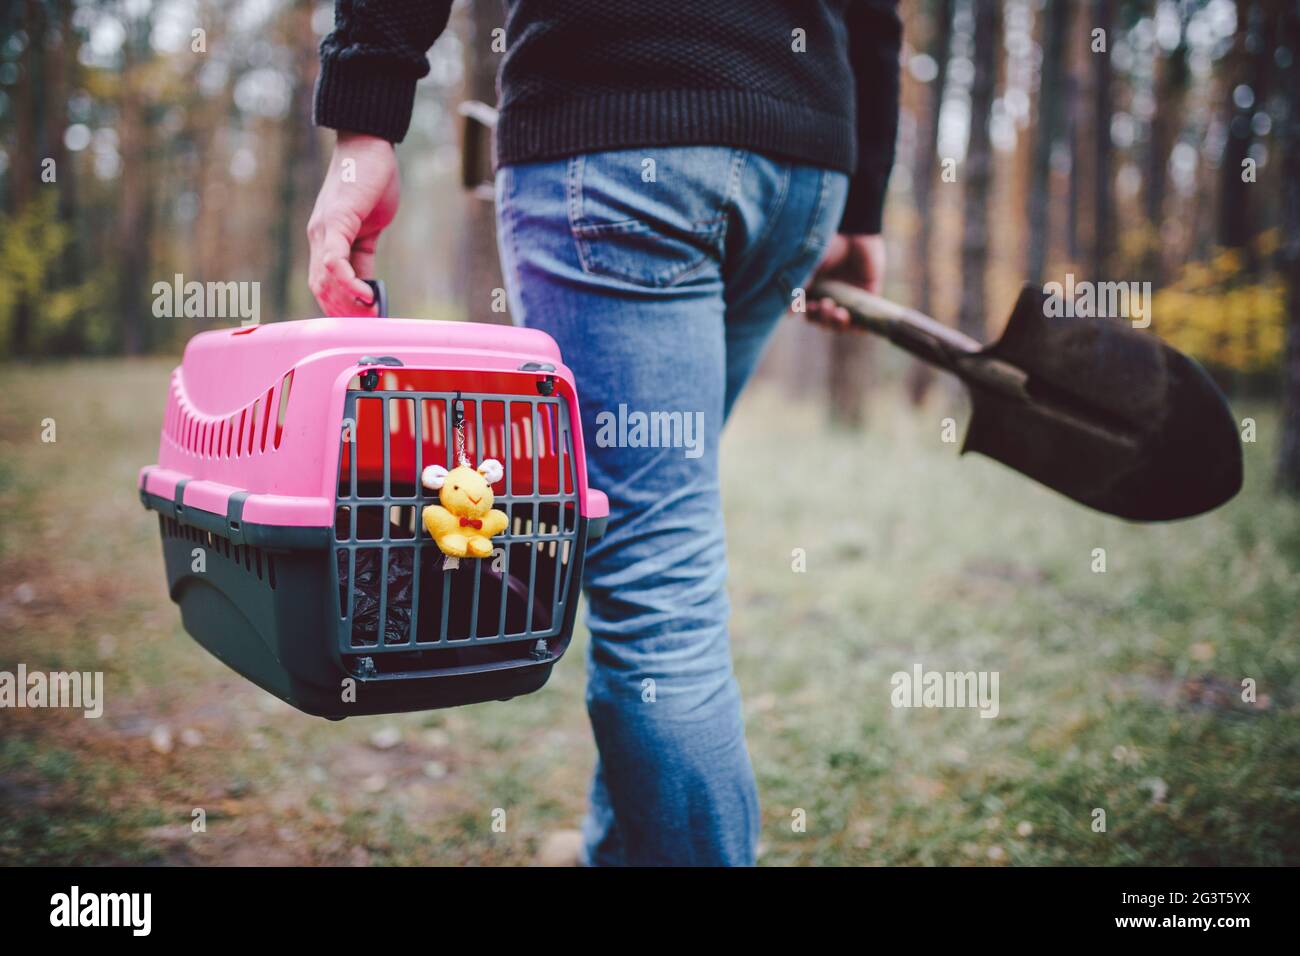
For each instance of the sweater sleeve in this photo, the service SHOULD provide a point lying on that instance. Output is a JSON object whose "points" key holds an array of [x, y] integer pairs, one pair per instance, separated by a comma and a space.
{"points": [[372, 61], [875, 38]]}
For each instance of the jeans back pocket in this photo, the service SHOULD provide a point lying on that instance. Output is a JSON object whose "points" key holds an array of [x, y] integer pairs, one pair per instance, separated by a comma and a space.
{"points": [[652, 217]]}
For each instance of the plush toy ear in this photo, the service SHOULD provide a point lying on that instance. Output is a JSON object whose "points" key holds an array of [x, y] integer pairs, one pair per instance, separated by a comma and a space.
{"points": [[433, 477], [491, 469]]}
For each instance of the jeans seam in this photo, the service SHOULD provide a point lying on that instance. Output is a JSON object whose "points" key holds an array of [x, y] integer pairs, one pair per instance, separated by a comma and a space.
{"points": [[739, 158], [508, 221], [808, 243], [573, 186], [777, 206]]}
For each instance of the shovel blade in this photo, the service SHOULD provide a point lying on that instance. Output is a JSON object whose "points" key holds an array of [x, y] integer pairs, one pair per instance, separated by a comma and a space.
{"points": [[1113, 418]]}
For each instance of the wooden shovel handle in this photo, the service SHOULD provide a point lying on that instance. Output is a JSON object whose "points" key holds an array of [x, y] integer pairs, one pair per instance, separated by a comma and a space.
{"points": [[927, 339], [909, 329]]}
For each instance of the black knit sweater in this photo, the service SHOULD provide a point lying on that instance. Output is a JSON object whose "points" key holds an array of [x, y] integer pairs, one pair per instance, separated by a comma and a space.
{"points": [[584, 75]]}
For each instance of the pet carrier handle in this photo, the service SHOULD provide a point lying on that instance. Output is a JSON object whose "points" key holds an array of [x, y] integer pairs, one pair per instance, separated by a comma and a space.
{"points": [[380, 300]]}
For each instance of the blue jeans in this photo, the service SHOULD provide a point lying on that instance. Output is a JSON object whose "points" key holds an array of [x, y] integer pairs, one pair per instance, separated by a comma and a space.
{"points": [[661, 273]]}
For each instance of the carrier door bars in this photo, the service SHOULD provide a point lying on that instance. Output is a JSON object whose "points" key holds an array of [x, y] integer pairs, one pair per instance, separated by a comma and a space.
{"points": [[557, 436]]}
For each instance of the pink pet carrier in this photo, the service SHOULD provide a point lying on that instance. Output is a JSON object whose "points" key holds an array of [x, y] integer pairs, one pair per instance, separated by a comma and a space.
{"points": [[289, 501]]}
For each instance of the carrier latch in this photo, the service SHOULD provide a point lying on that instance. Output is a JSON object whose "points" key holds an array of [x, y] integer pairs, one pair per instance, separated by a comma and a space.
{"points": [[235, 517], [545, 386], [370, 377]]}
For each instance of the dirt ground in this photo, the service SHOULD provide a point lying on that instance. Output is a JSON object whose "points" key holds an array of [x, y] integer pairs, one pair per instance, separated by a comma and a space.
{"points": [[1119, 690]]}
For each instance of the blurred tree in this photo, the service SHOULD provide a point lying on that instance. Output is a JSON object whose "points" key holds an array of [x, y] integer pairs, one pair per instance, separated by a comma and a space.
{"points": [[1172, 78], [1077, 131], [25, 177], [1234, 199], [979, 169], [1103, 239], [849, 378], [300, 159], [1289, 463], [482, 269], [213, 116], [1051, 93], [920, 376], [64, 76], [135, 207]]}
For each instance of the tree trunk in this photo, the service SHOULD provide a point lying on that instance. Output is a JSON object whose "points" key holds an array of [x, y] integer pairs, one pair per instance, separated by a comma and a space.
{"points": [[927, 146], [920, 376], [848, 378], [482, 270], [25, 174], [63, 79], [1289, 462], [61, 67], [1056, 30], [979, 169], [212, 230], [135, 197], [1234, 200], [1078, 132], [300, 160], [1172, 80], [1239, 219], [1103, 240]]}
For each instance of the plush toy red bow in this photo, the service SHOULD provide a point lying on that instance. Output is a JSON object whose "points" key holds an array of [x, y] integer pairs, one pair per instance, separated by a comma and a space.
{"points": [[464, 521]]}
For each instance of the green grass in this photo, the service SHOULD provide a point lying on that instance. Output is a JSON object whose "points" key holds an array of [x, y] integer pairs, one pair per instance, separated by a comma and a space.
{"points": [[1118, 691]]}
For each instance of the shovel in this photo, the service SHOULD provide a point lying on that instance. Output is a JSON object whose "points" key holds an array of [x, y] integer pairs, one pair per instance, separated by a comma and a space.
{"points": [[1115, 419], [1109, 416]]}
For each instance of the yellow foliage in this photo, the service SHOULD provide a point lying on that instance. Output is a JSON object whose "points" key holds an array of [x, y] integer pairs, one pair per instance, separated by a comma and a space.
{"points": [[31, 245], [1268, 242], [1214, 314]]}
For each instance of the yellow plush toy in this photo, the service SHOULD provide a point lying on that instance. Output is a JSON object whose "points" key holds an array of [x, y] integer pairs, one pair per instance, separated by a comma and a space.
{"points": [[463, 525]]}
